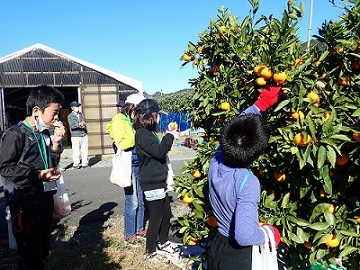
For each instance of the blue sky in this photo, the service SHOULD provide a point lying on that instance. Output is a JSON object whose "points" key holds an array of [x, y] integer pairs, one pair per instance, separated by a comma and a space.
{"points": [[139, 39]]}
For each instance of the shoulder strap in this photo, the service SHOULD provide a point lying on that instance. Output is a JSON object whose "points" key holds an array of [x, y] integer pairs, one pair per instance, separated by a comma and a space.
{"points": [[244, 181]]}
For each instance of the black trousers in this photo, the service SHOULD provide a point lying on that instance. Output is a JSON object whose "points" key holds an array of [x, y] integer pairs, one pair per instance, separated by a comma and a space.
{"points": [[31, 224], [159, 222], [226, 254]]}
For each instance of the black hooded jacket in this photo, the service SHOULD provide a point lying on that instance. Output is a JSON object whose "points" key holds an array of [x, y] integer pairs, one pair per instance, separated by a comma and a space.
{"points": [[20, 163], [152, 155]]}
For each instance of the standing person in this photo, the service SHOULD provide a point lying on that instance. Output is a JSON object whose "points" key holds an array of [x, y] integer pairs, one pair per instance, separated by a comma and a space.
{"points": [[122, 133], [152, 153], [28, 168], [79, 137], [234, 190]]}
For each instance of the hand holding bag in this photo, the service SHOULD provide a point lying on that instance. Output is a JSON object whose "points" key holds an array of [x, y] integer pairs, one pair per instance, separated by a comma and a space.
{"points": [[264, 258], [62, 206], [121, 168]]}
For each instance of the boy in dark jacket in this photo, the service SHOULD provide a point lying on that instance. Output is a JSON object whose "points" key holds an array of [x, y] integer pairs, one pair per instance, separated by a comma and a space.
{"points": [[28, 168]]}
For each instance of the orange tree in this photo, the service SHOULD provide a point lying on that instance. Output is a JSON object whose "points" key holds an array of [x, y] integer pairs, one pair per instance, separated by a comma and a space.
{"points": [[310, 174]]}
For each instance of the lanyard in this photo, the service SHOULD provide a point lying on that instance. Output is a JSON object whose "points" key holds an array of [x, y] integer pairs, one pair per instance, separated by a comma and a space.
{"points": [[157, 137], [41, 145]]}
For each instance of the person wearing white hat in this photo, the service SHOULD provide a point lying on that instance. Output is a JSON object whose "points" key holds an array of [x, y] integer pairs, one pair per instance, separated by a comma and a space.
{"points": [[122, 133]]}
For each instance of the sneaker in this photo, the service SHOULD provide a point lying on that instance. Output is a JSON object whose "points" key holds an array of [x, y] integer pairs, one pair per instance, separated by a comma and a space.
{"points": [[133, 241], [168, 248], [141, 234], [77, 167], [85, 166]]}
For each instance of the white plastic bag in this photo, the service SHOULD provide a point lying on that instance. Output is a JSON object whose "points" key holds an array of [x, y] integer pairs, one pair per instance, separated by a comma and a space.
{"points": [[121, 169], [170, 176], [264, 258], [62, 206]]}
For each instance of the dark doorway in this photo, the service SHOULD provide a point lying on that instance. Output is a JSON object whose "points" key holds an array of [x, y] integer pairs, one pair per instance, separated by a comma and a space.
{"points": [[15, 104]]}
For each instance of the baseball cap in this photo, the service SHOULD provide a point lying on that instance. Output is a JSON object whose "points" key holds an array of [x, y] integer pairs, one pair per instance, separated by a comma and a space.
{"points": [[74, 104], [135, 98], [149, 106], [121, 103]]}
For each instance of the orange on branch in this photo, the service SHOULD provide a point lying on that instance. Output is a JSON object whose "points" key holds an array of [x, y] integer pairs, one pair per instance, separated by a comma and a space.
{"points": [[341, 161], [326, 116], [356, 137], [332, 209], [191, 241], [298, 62], [355, 64], [344, 82], [187, 57], [308, 245], [317, 63], [223, 29], [313, 96], [225, 106], [297, 115], [339, 50], [280, 77], [260, 81], [333, 241], [196, 174], [299, 139], [187, 198], [258, 68], [212, 221], [212, 138], [266, 72], [280, 177]]}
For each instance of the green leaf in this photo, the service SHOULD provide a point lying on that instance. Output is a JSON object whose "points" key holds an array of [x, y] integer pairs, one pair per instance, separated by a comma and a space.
{"points": [[285, 200], [331, 155], [183, 229], [281, 105], [321, 157], [348, 250], [349, 233], [356, 113], [299, 221], [319, 226], [199, 214], [341, 137], [330, 219], [327, 184], [295, 238]]}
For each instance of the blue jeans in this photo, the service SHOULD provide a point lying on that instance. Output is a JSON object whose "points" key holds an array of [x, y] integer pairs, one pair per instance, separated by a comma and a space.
{"points": [[134, 206]]}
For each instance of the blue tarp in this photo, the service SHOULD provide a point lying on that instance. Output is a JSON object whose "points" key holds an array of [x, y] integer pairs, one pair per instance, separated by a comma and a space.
{"points": [[180, 118]]}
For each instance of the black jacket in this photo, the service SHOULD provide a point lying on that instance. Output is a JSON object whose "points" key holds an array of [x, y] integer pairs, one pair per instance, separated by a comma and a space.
{"points": [[20, 163], [152, 156]]}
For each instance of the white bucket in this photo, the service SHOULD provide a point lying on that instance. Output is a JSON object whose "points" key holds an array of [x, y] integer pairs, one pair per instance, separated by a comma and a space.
{"points": [[12, 241]]}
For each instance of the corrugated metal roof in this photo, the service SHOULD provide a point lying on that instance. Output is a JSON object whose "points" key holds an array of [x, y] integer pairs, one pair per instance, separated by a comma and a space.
{"points": [[39, 64]]}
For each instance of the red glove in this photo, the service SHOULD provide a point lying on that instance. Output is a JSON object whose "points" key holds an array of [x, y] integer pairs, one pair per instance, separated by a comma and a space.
{"points": [[277, 235], [268, 97]]}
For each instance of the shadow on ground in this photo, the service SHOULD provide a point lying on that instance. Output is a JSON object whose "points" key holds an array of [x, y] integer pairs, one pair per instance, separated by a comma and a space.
{"points": [[80, 250]]}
